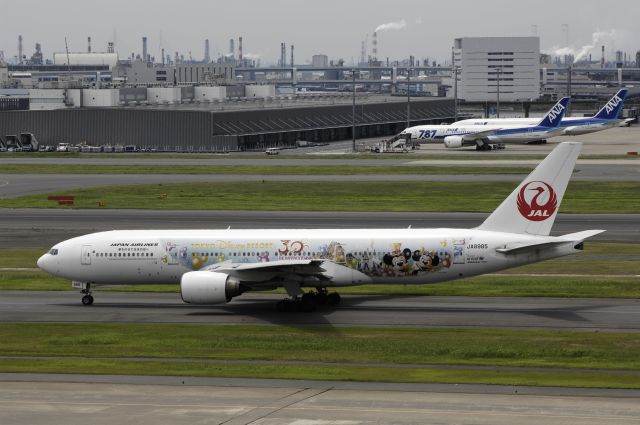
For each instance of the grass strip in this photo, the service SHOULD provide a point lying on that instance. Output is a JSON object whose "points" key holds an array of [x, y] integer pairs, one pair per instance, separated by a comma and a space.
{"points": [[468, 155], [352, 347], [581, 197], [575, 379], [281, 168]]}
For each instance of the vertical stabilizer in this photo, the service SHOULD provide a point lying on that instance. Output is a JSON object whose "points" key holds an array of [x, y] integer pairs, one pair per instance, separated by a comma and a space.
{"points": [[611, 109], [554, 116], [532, 207]]}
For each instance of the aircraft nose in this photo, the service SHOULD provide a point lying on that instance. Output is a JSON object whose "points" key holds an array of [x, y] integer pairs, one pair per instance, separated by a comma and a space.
{"points": [[42, 262]]}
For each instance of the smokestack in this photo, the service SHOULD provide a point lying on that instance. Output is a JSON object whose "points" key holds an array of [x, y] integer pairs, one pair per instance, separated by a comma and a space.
{"points": [[88, 44], [20, 54], [283, 55], [232, 49], [602, 59], [163, 62], [144, 49], [240, 49], [374, 51], [207, 57], [292, 46]]}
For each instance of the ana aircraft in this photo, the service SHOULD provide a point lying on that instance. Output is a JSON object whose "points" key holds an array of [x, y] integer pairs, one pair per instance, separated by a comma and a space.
{"points": [[214, 266], [459, 135], [606, 117]]}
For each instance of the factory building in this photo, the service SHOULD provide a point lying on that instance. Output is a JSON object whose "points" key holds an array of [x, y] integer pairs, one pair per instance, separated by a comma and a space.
{"points": [[488, 65], [140, 72]]}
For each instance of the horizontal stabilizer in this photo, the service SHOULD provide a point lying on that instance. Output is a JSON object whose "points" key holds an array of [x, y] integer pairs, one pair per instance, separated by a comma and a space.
{"points": [[518, 247], [580, 236]]}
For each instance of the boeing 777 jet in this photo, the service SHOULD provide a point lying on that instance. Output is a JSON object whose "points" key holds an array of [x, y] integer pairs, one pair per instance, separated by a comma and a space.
{"points": [[215, 266]]}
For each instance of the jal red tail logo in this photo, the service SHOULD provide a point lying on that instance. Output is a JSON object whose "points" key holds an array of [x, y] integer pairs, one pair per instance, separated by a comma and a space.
{"points": [[537, 201]]}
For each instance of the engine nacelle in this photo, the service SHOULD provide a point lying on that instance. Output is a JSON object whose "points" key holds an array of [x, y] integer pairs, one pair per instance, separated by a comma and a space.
{"points": [[453, 142], [209, 287]]}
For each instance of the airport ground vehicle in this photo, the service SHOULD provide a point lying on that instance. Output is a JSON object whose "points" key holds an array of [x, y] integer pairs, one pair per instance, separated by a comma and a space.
{"points": [[12, 142], [28, 142], [272, 151]]}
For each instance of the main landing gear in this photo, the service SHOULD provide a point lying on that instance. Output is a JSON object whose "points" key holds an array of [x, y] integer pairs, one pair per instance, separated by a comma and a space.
{"points": [[488, 147], [309, 301]]}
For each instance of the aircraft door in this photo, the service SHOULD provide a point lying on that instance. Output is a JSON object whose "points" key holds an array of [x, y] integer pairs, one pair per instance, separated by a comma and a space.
{"points": [[86, 255]]}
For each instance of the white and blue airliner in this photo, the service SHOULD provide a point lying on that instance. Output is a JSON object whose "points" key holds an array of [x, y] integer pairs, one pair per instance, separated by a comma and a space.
{"points": [[606, 117], [459, 135]]}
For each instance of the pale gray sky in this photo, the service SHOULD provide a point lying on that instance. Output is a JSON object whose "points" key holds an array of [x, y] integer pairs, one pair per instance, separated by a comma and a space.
{"points": [[333, 27]]}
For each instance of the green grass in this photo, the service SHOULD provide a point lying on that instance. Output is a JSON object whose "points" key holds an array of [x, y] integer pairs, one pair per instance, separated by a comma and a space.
{"points": [[467, 155], [575, 379], [106, 347], [581, 197], [279, 168], [516, 286]]}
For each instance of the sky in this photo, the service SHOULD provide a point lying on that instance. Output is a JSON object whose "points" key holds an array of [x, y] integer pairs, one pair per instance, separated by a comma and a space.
{"points": [[425, 29]]}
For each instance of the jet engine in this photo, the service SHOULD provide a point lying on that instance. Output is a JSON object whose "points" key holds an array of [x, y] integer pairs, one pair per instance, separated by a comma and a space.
{"points": [[209, 287], [453, 141]]}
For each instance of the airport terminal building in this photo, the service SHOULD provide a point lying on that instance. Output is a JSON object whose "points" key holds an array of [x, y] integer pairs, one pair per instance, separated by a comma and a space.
{"points": [[229, 125]]}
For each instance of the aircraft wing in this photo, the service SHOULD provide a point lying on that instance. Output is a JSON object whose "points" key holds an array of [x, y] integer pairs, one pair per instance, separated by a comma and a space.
{"points": [[517, 248], [479, 135], [271, 268], [288, 270]]}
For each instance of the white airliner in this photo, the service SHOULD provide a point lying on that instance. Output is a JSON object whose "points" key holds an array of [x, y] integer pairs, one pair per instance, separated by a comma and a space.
{"points": [[606, 117], [459, 135], [214, 266]]}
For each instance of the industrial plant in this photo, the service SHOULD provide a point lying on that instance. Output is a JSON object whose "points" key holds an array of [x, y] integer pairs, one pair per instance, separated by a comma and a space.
{"points": [[177, 102]]}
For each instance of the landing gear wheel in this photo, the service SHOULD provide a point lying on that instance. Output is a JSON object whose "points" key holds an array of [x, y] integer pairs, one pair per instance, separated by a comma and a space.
{"points": [[284, 305], [307, 303], [333, 298], [321, 297], [87, 300]]}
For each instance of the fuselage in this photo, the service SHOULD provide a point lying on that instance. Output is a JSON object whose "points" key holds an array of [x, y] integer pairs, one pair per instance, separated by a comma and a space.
{"points": [[512, 133], [371, 255], [569, 126]]}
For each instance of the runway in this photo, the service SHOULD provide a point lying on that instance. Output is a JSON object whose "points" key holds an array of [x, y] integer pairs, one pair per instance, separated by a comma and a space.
{"points": [[354, 310], [80, 399], [42, 228]]}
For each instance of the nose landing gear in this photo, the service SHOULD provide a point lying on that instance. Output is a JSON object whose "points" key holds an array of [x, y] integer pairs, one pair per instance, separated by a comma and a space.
{"points": [[85, 289]]}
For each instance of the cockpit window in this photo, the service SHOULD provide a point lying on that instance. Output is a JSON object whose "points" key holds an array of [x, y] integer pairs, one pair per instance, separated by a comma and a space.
{"points": [[53, 252]]}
